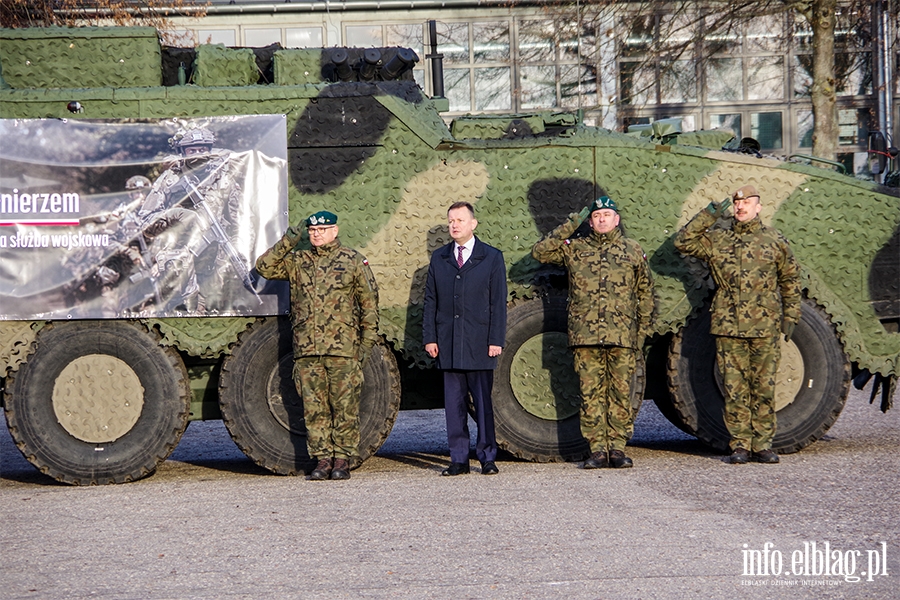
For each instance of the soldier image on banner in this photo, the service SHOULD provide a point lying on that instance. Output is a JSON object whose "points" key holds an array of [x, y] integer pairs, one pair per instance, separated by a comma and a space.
{"points": [[190, 216], [757, 298], [610, 315]]}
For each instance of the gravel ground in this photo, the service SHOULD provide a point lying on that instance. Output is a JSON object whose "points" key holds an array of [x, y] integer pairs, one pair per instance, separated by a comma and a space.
{"points": [[680, 524]]}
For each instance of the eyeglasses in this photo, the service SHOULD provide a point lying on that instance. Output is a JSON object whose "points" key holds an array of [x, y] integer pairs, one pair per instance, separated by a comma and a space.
{"points": [[314, 230]]}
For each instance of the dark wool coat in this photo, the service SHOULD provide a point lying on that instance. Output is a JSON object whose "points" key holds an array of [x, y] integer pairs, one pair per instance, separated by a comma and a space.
{"points": [[465, 309]]}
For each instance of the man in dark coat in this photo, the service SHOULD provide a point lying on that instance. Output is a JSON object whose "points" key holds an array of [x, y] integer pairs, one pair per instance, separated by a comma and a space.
{"points": [[464, 330]]}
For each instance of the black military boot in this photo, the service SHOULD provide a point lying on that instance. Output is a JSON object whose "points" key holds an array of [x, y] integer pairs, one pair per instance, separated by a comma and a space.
{"points": [[765, 456], [322, 470], [598, 460], [618, 460], [740, 456], [341, 469]]}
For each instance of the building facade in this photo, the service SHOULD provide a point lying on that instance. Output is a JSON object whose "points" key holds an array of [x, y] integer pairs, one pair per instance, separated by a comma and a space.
{"points": [[538, 56]]}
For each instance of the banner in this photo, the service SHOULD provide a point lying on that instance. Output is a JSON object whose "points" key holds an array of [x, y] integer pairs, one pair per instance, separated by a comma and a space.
{"points": [[140, 218]]}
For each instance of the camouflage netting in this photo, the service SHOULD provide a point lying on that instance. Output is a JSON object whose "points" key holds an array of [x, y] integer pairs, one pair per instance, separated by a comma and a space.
{"points": [[215, 65], [380, 156], [298, 66], [89, 57], [206, 338]]}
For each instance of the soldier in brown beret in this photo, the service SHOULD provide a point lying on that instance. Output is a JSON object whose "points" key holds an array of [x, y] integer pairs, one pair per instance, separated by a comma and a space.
{"points": [[757, 297]]}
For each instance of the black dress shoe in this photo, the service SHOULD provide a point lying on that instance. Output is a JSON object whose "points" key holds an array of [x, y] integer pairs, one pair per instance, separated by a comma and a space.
{"points": [[740, 456], [456, 469], [765, 456], [618, 460], [489, 468], [598, 460]]}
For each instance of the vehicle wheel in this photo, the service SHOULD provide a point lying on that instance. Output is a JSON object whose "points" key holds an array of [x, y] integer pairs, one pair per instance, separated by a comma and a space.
{"points": [[811, 386], [536, 396], [657, 387], [98, 402], [264, 412]]}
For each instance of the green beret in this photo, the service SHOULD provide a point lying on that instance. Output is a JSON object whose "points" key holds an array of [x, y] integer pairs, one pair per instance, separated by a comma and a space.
{"points": [[323, 217], [604, 202]]}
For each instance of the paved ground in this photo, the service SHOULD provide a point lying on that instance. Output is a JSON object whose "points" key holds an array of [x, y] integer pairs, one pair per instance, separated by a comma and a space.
{"points": [[210, 524]]}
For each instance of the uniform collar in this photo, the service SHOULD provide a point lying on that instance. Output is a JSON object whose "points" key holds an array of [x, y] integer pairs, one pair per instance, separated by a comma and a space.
{"points": [[327, 248], [606, 238], [747, 226]]}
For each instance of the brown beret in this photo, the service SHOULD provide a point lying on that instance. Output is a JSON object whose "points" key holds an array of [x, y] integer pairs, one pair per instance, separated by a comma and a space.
{"points": [[747, 191]]}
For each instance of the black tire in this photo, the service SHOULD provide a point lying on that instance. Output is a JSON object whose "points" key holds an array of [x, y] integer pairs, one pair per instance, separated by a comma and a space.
{"points": [[125, 430], [264, 412], [537, 345], [804, 411], [657, 387]]}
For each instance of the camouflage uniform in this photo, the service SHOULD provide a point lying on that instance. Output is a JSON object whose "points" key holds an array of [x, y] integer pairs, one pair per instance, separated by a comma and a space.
{"points": [[758, 292], [610, 314], [334, 313]]}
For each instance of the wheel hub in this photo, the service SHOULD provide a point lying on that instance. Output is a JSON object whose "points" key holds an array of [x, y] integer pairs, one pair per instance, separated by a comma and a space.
{"points": [[542, 377], [98, 398]]}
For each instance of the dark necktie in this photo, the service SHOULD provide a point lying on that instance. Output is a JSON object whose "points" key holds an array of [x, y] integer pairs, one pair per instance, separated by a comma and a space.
{"points": [[459, 260]]}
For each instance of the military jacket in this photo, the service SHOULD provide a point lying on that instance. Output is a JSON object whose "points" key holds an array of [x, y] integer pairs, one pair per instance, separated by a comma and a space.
{"points": [[756, 275], [334, 298], [610, 288]]}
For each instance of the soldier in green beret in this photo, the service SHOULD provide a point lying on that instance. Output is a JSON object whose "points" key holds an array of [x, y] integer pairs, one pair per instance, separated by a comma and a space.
{"points": [[334, 313], [757, 297], [610, 313]]}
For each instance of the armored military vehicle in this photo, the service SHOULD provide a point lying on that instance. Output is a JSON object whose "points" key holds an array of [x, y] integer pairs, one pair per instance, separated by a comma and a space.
{"points": [[105, 400]]}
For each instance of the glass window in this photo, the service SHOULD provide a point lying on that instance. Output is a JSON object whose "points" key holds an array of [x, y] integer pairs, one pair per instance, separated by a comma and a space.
{"points": [[578, 86], [453, 42], [536, 42], [678, 82], [730, 121], [805, 126], [766, 129], [854, 126], [567, 34], [407, 36], [216, 36], [364, 36], [853, 73], [257, 38], [492, 89], [304, 37], [491, 41], [765, 78], [726, 40], [724, 79], [457, 89], [637, 83], [765, 34], [801, 75], [640, 36], [538, 86]]}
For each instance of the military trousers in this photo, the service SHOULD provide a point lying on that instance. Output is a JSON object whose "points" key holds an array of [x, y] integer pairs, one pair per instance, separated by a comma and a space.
{"points": [[605, 374], [330, 387], [748, 367]]}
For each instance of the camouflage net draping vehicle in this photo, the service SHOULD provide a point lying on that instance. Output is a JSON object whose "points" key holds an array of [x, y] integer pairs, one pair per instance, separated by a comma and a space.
{"points": [[366, 143]]}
